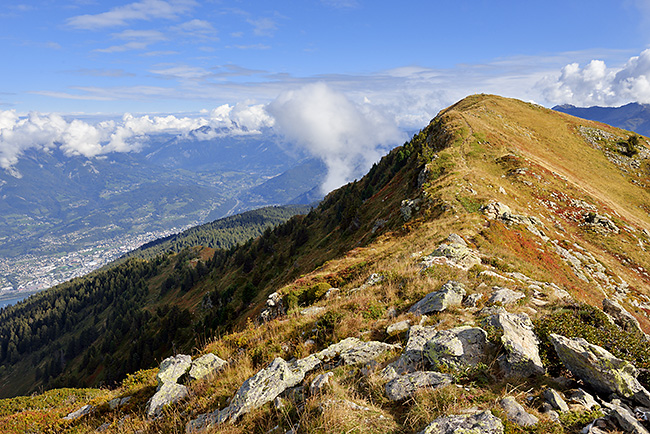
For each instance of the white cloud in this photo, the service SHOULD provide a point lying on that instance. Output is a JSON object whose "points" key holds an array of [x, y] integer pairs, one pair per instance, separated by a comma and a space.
{"points": [[346, 136], [197, 29], [141, 10], [137, 40], [597, 84], [130, 134]]}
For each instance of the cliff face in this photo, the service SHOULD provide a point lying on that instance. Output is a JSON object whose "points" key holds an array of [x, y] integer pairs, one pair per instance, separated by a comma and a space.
{"points": [[488, 275]]}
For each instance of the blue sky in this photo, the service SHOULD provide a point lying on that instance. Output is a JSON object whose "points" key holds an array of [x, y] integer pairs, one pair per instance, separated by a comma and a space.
{"points": [[227, 62], [153, 56]]}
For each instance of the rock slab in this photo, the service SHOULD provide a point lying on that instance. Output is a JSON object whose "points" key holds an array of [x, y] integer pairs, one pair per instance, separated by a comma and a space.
{"points": [[206, 365], [451, 294], [405, 386], [478, 423], [458, 348], [520, 342], [516, 412], [600, 369]]}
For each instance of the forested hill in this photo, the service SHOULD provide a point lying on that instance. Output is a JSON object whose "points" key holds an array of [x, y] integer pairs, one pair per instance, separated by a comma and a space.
{"points": [[223, 233]]}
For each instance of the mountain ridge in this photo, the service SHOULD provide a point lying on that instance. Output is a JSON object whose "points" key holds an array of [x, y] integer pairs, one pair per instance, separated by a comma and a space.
{"points": [[488, 205]]}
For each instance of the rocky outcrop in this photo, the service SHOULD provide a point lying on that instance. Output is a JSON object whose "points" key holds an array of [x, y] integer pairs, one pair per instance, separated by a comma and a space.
{"points": [[482, 422], [520, 343], [173, 368], [274, 308], [601, 223], [554, 398], [280, 375], [516, 413], [405, 386], [167, 393], [451, 294], [459, 347], [398, 328], [621, 317], [409, 206], [206, 365], [86, 409], [583, 398], [455, 252], [625, 418], [412, 358], [600, 369], [502, 212], [505, 296]]}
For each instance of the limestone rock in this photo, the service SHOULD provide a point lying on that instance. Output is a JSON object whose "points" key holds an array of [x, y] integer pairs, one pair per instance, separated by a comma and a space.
{"points": [[472, 300], [456, 348], [398, 328], [405, 386], [600, 369], [86, 409], [583, 398], [520, 342], [206, 365], [352, 351], [516, 412], [505, 296], [274, 308], [626, 419], [266, 385], [412, 358], [621, 317], [173, 368], [452, 253], [478, 423], [451, 294], [168, 393], [320, 382], [312, 310], [408, 207], [554, 398], [601, 223]]}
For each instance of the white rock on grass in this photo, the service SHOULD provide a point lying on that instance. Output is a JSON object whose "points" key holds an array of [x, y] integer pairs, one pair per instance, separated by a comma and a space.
{"points": [[458, 348], [450, 294], [168, 393], [173, 368], [86, 409], [505, 296], [520, 342], [483, 422], [206, 365], [516, 412], [405, 386], [600, 369], [554, 398], [398, 328]]}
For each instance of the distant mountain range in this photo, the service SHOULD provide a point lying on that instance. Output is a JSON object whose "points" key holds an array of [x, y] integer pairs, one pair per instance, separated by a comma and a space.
{"points": [[633, 116]]}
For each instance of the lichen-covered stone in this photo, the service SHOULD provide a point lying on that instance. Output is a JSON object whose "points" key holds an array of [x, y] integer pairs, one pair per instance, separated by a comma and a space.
{"points": [[583, 398], [505, 296], [600, 369], [452, 253], [86, 409], [621, 317], [352, 351], [412, 358], [173, 368], [517, 413], [168, 393], [405, 386], [554, 398], [398, 328], [206, 365], [450, 294], [520, 342], [456, 348], [626, 419], [482, 422]]}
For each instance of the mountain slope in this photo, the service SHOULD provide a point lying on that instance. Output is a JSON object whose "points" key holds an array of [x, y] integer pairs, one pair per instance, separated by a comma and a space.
{"points": [[493, 194]]}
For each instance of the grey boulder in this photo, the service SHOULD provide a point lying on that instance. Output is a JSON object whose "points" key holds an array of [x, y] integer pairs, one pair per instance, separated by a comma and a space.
{"points": [[520, 342], [482, 422], [405, 386], [173, 368], [168, 393], [206, 365], [517, 413], [459, 347], [600, 369], [450, 294]]}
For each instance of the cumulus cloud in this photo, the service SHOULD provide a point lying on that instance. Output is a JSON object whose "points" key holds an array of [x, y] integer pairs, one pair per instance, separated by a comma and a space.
{"points": [[348, 137], [130, 134], [598, 84]]}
